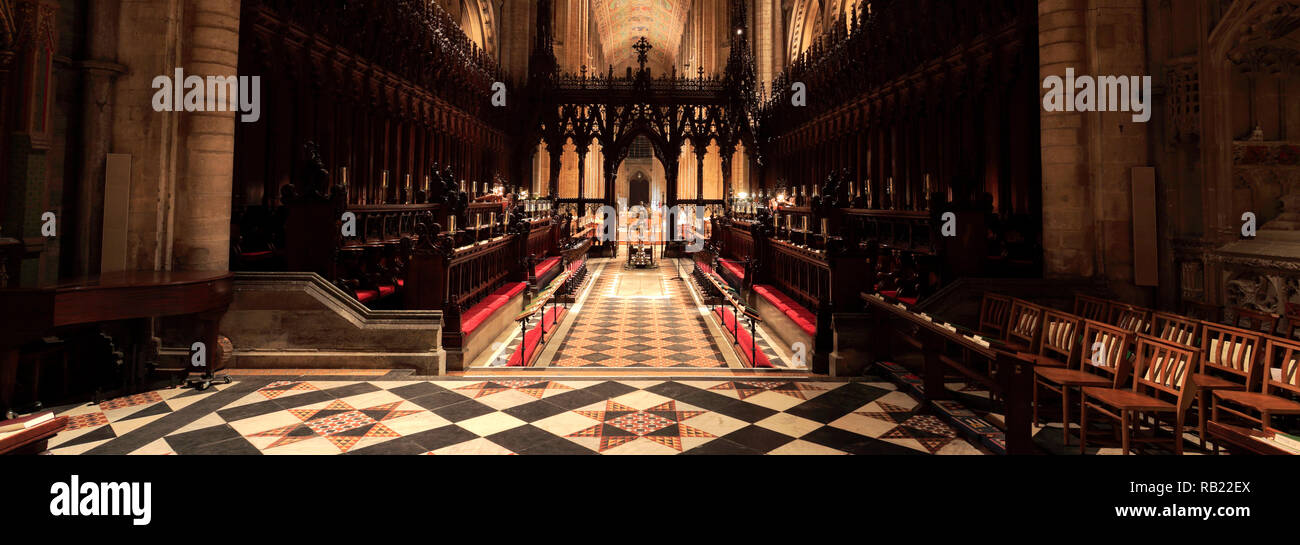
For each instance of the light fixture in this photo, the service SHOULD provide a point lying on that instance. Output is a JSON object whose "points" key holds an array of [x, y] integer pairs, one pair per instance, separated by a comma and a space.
{"points": [[742, 195]]}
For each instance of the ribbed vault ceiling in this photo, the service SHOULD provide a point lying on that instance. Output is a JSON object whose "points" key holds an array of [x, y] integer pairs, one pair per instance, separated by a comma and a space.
{"points": [[622, 22]]}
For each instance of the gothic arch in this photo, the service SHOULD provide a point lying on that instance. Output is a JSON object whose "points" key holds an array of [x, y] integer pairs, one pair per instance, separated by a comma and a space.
{"points": [[1245, 26]]}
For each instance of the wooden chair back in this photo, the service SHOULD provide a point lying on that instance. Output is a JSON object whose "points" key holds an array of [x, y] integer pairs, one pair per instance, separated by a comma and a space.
{"points": [[1061, 334], [1105, 349], [1163, 367], [1203, 311], [1254, 320], [995, 311], [1025, 324], [1090, 308], [1292, 314], [1231, 350], [1175, 329], [1282, 370], [1130, 317]]}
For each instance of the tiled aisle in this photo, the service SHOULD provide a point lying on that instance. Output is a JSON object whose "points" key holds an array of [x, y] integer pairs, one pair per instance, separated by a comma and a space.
{"points": [[638, 318], [374, 415]]}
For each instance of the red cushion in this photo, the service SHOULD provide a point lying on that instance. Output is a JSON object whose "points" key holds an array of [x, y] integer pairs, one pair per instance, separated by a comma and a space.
{"points": [[367, 295], [743, 338], [889, 293], [511, 289], [808, 327], [908, 300], [401, 282], [262, 253], [704, 267], [385, 291], [469, 324], [545, 266], [735, 268]]}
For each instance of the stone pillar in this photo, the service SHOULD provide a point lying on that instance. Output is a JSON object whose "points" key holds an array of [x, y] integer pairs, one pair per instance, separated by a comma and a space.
{"points": [[206, 142], [1088, 156], [1067, 228], [99, 70]]}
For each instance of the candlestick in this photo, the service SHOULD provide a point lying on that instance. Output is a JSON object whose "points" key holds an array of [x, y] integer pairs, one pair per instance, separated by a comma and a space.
{"points": [[383, 187], [410, 198]]}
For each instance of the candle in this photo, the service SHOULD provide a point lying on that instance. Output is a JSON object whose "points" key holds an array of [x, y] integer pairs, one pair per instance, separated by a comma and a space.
{"points": [[409, 197], [383, 187], [451, 223], [347, 191]]}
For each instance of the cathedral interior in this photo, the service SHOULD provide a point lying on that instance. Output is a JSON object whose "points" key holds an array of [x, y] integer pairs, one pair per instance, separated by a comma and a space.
{"points": [[650, 226]]}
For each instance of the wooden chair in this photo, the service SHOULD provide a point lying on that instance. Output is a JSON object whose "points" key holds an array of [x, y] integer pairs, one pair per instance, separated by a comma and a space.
{"points": [[1228, 356], [1292, 314], [1279, 380], [995, 310], [1203, 311], [1161, 369], [1254, 320], [1059, 346], [1175, 329], [1130, 317], [1024, 326], [1090, 308], [1103, 362]]}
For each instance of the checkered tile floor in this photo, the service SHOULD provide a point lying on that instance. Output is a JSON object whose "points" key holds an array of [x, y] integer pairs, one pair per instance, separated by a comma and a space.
{"points": [[376, 415], [614, 331]]}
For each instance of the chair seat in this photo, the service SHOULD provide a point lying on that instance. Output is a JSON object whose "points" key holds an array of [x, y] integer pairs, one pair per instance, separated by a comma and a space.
{"points": [[1072, 377], [1259, 401], [1211, 382], [1128, 400]]}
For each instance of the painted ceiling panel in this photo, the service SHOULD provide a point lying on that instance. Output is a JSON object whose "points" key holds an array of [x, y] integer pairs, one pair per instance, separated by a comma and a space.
{"points": [[622, 22]]}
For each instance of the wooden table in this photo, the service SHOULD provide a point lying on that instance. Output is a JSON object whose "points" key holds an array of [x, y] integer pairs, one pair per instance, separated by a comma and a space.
{"points": [[1239, 440], [40, 310]]}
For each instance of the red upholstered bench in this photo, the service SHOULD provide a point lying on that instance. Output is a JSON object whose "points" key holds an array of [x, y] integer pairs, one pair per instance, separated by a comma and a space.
{"points": [[477, 314], [743, 337], [804, 318], [893, 294], [534, 336], [735, 268], [545, 266]]}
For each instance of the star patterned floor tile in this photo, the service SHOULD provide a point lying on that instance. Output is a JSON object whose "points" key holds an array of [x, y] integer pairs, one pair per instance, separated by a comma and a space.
{"points": [[525, 415]]}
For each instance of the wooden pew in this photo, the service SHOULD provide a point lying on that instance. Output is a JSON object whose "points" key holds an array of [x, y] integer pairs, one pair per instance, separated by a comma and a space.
{"points": [[478, 287], [1007, 376]]}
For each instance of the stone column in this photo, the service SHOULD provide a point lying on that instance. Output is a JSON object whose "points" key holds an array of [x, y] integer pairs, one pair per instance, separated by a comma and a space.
{"points": [[1067, 229], [206, 142], [99, 70], [1088, 157]]}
